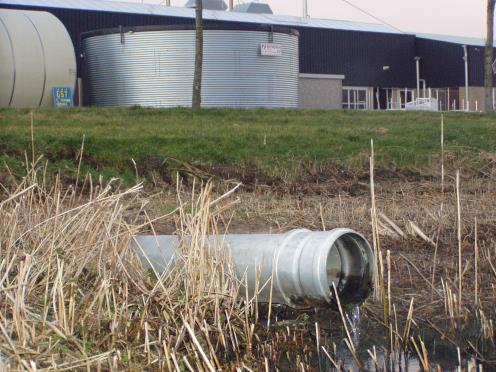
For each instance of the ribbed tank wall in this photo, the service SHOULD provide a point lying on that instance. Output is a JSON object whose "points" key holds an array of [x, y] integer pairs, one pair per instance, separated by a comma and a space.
{"points": [[7, 69], [155, 68], [36, 54]]}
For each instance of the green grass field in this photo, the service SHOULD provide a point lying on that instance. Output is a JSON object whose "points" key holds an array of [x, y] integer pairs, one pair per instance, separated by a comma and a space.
{"points": [[262, 138]]}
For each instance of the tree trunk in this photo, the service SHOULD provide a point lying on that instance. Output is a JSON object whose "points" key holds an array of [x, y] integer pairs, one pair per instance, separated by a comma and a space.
{"points": [[489, 58], [196, 102]]}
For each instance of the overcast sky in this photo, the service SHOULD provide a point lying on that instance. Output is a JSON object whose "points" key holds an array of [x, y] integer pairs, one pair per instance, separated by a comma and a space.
{"points": [[449, 17]]}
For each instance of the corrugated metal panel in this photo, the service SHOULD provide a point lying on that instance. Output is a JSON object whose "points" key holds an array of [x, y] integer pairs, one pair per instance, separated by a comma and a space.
{"points": [[160, 10], [155, 68], [442, 64], [476, 66], [359, 56]]}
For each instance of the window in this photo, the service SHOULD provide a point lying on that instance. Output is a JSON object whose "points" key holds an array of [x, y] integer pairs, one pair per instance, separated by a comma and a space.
{"points": [[406, 95], [355, 98], [447, 98]]}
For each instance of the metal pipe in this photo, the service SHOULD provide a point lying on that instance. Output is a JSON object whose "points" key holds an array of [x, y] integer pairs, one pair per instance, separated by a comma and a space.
{"points": [[231, 5], [465, 58], [80, 92], [305, 9], [303, 264], [493, 99], [417, 67]]}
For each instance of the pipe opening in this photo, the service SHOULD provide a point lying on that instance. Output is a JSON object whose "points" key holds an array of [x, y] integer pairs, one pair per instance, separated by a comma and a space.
{"points": [[349, 268]]}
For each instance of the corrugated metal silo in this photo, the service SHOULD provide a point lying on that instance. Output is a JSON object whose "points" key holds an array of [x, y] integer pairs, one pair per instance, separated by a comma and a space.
{"points": [[153, 66], [36, 54]]}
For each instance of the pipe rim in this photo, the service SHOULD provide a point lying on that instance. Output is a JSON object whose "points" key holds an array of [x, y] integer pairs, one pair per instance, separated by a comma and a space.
{"points": [[355, 274]]}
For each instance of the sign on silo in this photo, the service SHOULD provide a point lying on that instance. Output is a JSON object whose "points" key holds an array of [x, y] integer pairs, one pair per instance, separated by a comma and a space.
{"points": [[271, 49]]}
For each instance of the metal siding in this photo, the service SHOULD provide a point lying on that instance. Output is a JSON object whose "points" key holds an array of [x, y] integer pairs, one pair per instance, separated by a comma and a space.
{"points": [[155, 68], [441, 63], [360, 56], [476, 66]]}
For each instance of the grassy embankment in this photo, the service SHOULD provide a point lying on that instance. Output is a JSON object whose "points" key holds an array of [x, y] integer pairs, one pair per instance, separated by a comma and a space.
{"points": [[273, 142]]}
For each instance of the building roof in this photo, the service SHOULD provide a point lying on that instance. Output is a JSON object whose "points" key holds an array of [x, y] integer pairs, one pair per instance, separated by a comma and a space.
{"points": [[471, 41], [252, 7], [161, 10]]}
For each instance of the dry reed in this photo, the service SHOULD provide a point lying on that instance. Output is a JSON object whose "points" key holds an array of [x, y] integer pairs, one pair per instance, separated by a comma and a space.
{"points": [[74, 295]]}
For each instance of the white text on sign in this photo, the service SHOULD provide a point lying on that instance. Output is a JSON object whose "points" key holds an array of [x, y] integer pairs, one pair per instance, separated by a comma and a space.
{"points": [[271, 49]]}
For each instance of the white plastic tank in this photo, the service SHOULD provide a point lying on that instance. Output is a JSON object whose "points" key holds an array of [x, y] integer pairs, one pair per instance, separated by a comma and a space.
{"points": [[36, 54]]}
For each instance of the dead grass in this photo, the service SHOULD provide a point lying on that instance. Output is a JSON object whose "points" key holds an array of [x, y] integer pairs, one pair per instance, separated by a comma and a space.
{"points": [[74, 296]]}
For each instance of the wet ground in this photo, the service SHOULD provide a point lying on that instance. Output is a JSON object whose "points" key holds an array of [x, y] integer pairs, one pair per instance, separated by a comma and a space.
{"points": [[373, 347], [417, 222]]}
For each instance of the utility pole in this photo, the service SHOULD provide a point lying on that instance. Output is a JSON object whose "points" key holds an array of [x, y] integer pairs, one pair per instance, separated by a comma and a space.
{"points": [[196, 101], [489, 58]]}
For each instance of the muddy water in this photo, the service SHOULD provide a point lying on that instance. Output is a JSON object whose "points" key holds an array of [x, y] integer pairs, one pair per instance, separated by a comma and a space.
{"points": [[369, 339], [372, 348]]}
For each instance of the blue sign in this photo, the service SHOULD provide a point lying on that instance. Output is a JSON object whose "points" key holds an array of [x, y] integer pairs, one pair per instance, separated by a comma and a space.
{"points": [[62, 97]]}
